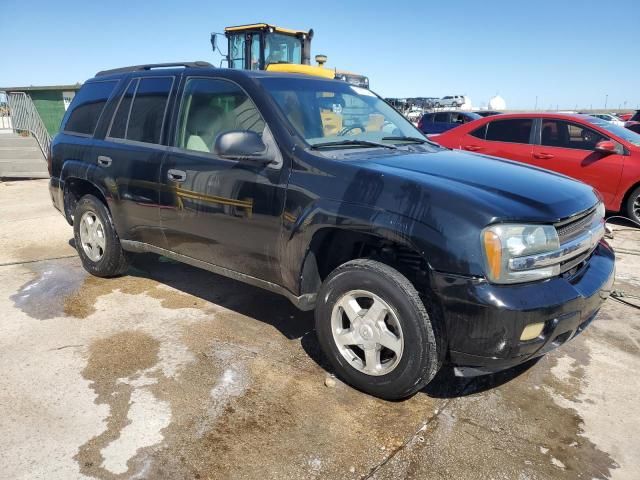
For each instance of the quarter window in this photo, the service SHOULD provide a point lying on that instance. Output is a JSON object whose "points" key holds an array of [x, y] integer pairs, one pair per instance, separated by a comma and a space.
{"points": [[480, 132], [87, 106], [513, 131], [568, 135], [211, 107], [142, 110]]}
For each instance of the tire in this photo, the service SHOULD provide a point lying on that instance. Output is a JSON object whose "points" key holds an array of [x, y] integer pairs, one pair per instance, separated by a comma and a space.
{"points": [[101, 253], [389, 376], [633, 205]]}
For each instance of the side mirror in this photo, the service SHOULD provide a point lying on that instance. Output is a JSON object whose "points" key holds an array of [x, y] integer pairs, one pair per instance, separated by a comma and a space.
{"points": [[242, 145], [214, 42], [606, 147]]}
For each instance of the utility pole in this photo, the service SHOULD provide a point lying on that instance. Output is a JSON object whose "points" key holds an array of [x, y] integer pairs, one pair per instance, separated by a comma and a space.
{"points": [[606, 99], [536, 107]]}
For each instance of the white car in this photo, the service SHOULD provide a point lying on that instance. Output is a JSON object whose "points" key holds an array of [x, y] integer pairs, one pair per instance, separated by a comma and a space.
{"points": [[450, 101], [608, 118]]}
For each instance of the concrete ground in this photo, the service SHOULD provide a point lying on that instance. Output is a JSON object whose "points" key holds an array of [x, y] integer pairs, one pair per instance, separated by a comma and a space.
{"points": [[172, 372]]}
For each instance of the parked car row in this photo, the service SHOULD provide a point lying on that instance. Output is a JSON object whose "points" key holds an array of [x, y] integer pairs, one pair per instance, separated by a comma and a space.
{"points": [[633, 123], [595, 151]]}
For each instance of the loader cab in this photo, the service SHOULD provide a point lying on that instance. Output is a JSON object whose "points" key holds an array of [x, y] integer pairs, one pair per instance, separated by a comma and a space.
{"points": [[261, 46], [257, 46]]}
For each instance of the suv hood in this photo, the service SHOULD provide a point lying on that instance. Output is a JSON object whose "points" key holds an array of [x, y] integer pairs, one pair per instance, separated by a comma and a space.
{"points": [[495, 188]]}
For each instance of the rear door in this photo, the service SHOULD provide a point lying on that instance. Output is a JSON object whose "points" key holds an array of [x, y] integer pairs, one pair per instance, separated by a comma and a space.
{"points": [[220, 211], [131, 153], [441, 122], [509, 138], [569, 148]]}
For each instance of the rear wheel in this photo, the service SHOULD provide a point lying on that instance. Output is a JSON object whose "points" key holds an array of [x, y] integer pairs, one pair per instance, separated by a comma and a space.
{"points": [[96, 240], [633, 205], [374, 328]]}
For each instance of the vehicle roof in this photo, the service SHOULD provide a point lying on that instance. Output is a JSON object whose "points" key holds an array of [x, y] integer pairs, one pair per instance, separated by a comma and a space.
{"points": [[206, 71], [561, 116]]}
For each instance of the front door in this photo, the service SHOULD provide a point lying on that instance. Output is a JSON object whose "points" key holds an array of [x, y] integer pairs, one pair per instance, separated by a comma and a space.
{"points": [[220, 211], [569, 148]]}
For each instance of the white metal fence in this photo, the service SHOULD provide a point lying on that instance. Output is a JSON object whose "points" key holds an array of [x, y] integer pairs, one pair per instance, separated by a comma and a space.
{"points": [[20, 114]]}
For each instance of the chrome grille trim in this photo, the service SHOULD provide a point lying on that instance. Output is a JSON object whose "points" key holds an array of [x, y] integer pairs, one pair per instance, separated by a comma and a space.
{"points": [[575, 226]]}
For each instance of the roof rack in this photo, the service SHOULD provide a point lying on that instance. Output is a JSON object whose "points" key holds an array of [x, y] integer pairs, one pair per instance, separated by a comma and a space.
{"points": [[139, 68]]}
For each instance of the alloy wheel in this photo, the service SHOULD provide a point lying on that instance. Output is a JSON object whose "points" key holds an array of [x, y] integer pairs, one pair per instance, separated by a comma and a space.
{"points": [[367, 332]]}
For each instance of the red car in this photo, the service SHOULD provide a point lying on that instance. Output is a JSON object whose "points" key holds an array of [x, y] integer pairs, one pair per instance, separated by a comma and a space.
{"points": [[599, 153]]}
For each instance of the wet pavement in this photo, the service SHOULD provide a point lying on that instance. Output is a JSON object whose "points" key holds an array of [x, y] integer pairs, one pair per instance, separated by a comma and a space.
{"points": [[173, 372]]}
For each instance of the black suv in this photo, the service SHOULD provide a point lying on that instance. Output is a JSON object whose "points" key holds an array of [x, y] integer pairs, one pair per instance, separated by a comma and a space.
{"points": [[411, 254]]}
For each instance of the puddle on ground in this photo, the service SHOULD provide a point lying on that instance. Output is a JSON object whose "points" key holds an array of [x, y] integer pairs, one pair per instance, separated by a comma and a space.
{"points": [[64, 288], [44, 296]]}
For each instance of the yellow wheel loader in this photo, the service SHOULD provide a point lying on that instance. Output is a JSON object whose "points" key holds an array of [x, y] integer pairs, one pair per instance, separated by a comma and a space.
{"points": [[261, 46]]}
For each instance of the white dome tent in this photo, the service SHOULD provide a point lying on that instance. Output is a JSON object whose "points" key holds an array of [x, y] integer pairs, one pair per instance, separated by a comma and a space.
{"points": [[497, 103]]}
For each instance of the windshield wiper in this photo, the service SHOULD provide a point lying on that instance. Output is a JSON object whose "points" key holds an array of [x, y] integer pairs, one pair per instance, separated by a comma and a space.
{"points": [[408, 139], [361, 143], [412, 139]]}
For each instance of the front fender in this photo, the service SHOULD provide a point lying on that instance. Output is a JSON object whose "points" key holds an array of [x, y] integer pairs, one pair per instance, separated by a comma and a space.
{"points": [[300, 229]]}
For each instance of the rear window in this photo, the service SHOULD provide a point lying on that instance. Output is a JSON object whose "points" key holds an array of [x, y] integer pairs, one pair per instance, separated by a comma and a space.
{"points": [[86, 108], [513, 131], [141, 111]]}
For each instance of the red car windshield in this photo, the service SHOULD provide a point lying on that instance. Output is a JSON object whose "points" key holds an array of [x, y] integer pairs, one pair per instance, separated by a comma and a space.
{"points": [[621, 132]]}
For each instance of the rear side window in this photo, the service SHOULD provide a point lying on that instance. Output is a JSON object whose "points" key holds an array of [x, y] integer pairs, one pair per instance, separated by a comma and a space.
{"points": [[140, 114], [513, 131], [441, 117], [87, 106]]}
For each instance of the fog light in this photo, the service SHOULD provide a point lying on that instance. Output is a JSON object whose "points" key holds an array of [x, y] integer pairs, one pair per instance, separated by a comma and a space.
{"points": [[532, 331]]}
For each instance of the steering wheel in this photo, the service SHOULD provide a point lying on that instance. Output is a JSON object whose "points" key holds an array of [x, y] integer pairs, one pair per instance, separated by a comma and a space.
{"points": [[346, 130]]}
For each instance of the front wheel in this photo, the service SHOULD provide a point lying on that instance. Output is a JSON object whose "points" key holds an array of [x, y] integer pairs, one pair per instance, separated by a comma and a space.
{"points": [[633, 205], [374, 328]]}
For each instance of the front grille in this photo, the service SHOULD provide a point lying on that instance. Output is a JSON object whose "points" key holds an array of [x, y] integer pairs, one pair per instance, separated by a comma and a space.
{"points": [[573, 227]]}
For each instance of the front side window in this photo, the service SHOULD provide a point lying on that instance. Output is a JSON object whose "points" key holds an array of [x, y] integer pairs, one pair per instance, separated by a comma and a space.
{"points": [[513, 130], [140, 114], [86, 107], [211, 107], [556, 133], [325, 111]]}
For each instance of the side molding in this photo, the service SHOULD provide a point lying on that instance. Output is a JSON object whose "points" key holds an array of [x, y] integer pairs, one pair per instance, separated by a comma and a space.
{"points": [[304, 302]]}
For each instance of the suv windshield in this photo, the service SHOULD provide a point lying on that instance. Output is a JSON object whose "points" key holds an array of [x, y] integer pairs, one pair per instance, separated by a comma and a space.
{"points": [[324, 111], [621, 132]]}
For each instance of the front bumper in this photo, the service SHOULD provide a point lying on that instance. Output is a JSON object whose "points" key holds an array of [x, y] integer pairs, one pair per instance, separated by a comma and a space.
{"points": [[484, 321]]}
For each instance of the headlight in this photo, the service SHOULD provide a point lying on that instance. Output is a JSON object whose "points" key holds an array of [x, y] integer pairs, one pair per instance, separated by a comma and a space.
{"points": [[502, 243], [601, 211]]}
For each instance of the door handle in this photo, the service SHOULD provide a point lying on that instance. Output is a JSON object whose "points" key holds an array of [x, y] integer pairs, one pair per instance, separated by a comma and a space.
{"points": [[472, 148], [176, 175], [543, 156], [104, 161]]}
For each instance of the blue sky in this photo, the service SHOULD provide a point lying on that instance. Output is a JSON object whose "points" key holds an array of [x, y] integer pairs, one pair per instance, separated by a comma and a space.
{"points": [[568, 53]]}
